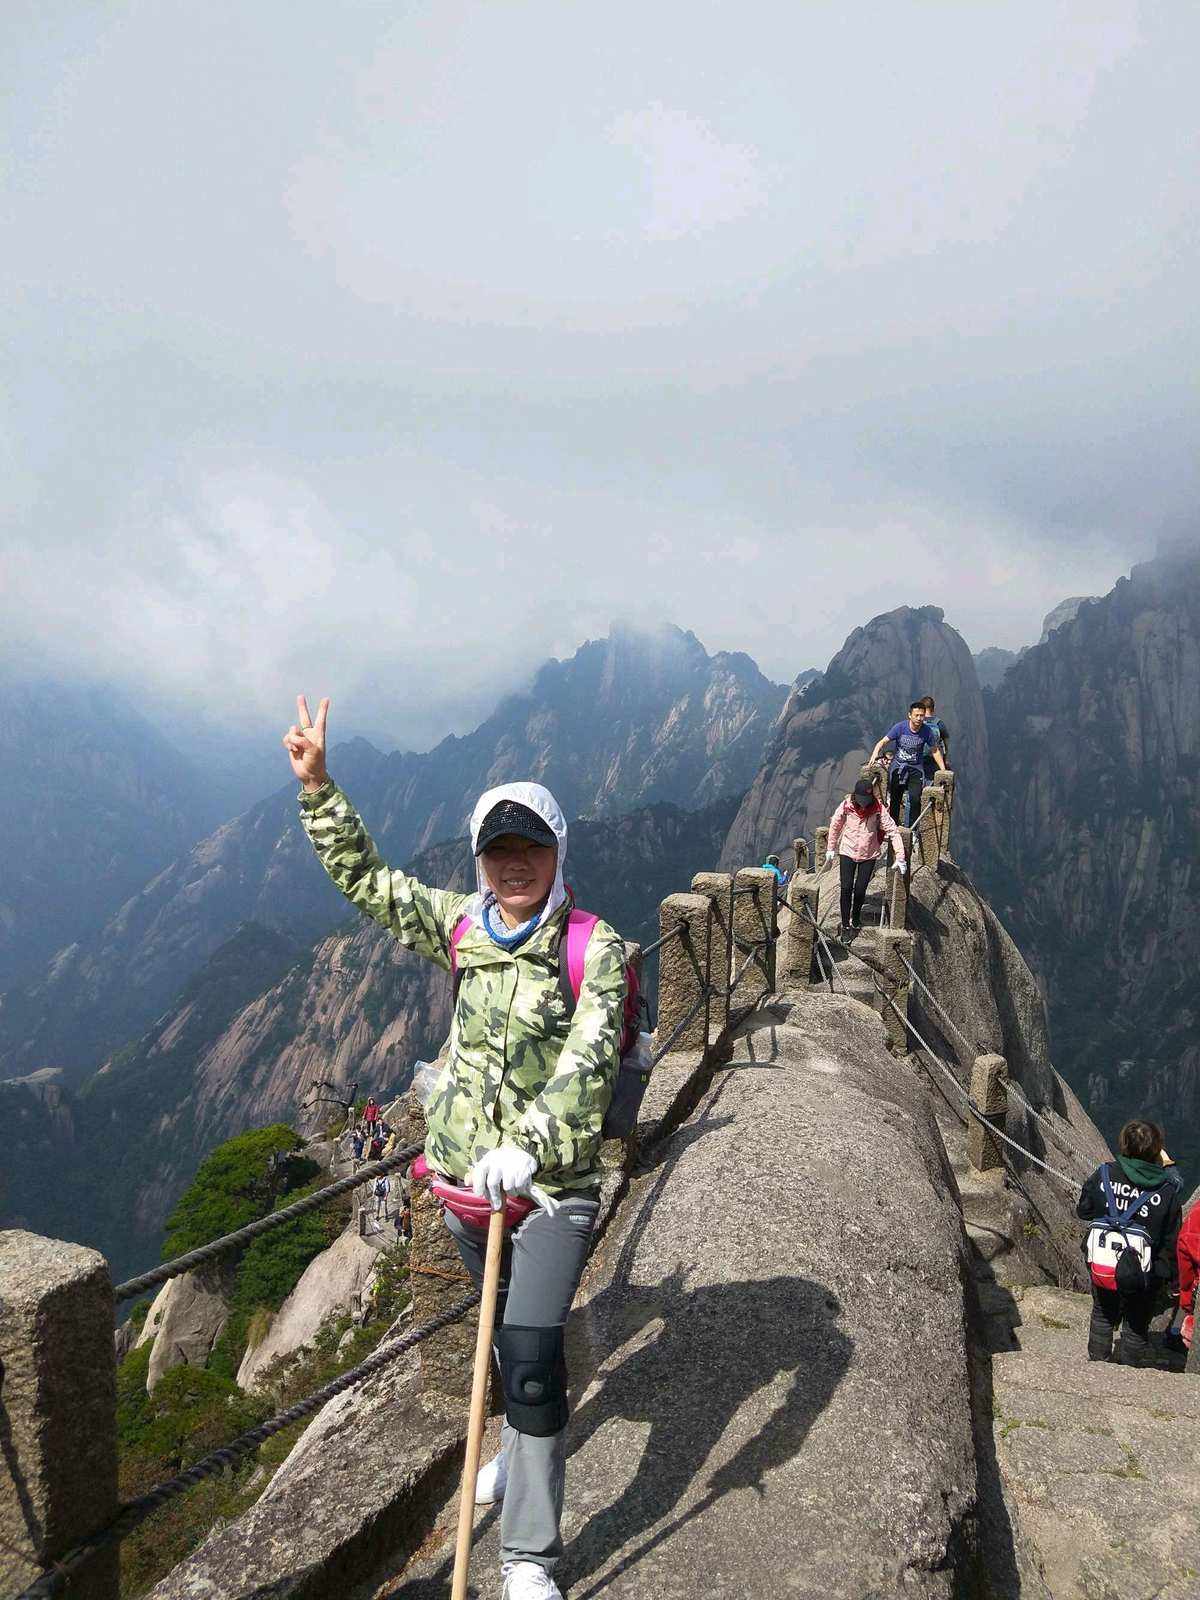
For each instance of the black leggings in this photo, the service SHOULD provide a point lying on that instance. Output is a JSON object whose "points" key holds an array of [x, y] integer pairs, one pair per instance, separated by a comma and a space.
{"points": [[1109, 1310], [911, 779], [856, 875]]}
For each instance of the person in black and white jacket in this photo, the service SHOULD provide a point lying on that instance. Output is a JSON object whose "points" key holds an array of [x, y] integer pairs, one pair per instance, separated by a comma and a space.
{"points": [[1137, 1171]]}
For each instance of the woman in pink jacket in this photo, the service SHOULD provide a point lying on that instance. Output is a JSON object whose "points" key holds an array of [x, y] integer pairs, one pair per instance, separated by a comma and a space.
{"points": [[857, 831]]}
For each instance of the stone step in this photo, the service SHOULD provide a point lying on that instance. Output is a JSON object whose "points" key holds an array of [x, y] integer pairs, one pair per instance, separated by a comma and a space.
{"points": [[1100, 1382], [1099, 1468]]}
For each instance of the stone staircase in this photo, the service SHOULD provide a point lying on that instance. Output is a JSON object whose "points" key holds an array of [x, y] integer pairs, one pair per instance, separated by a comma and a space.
{"points": [[1099, 1465]]}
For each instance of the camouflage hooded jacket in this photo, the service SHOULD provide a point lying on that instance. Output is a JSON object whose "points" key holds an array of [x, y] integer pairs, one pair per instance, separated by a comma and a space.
{"points": [[520, 1071]]}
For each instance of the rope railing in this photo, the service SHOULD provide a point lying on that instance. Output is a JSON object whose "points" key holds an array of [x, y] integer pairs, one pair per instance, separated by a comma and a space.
{"points": [[1013, 1087], [135, 1512], [274, 1219], [964, 1095]]}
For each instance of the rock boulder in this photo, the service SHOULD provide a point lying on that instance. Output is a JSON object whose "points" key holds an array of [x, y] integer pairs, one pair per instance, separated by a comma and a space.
{"points": [[193, 1312], [332, 1282]]}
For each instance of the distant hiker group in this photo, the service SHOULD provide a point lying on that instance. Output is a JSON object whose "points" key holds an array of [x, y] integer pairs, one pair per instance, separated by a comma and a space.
{"points": [[913, 751]]}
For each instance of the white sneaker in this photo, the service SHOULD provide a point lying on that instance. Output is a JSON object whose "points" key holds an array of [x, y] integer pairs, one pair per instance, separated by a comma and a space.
{"points": [[491, 1482], [525, 1580]]}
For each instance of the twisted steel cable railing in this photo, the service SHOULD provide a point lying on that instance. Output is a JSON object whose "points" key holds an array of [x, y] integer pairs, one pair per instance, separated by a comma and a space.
{"points": [[1013, 1088], [275, 1219]]}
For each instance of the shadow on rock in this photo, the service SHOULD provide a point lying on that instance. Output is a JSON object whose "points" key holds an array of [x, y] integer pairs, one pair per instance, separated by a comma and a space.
{"points": [[717, 1349]]}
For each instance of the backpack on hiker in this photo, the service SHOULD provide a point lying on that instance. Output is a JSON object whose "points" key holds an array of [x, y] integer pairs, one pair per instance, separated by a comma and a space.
{"points": [[1118, 1254], [633, 1073]]}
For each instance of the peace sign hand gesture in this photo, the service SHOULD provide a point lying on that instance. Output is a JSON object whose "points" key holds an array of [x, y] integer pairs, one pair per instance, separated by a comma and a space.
{"points": [[305, 744]]}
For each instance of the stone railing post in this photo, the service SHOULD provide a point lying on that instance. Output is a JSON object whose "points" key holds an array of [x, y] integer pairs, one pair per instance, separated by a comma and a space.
{"points": [[893, 979], [926, 840], [989, 1090], [58, 1411], [897, 885], [820, 845], [437, 1279], [684, 965], [800, 849], [714, 886], [755, 924], [796, 949], [945, 783]]}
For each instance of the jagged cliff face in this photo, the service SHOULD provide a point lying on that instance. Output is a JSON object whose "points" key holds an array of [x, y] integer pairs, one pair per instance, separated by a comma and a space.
{"points": [[244, 1042], [1095, 840], [628, 721], [97, 802], [827, 729]]}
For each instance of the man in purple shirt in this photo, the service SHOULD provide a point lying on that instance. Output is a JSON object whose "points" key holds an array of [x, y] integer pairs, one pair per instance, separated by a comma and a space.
{"points": [[913, 741]]}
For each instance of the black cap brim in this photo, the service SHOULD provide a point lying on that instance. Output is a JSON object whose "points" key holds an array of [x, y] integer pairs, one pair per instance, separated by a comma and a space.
{"points": [[512, 817]]}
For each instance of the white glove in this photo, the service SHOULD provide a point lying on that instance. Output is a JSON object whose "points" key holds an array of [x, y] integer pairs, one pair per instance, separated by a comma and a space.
{"points": [[828, 857], [902, 867], [509, 1170]]}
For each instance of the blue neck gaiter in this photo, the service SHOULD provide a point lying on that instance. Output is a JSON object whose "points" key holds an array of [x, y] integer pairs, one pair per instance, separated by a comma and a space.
{"points": [[506, 938]]}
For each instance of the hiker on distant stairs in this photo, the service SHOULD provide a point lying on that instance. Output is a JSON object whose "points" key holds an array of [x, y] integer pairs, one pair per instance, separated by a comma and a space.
{"points": [[906, 779], [857, 831], [536, 1042]]}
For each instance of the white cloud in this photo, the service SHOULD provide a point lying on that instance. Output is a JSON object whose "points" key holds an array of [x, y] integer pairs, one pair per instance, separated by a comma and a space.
{"points": [[695, 180]]}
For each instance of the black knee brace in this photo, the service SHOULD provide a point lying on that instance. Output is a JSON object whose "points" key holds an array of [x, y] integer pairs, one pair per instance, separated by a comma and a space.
{"points": [[534, 1371]]}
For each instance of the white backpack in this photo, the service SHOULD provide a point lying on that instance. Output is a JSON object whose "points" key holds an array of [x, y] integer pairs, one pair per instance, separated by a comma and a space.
{"points": [[1118, 1254]]}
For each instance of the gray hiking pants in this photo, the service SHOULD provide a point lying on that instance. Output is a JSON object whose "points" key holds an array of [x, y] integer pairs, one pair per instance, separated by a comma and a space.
{"points": [[543, 1262]]}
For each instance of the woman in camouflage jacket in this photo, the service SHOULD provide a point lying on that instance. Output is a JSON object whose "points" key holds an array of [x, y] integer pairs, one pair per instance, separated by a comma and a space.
{"points": [[522, 1095]]}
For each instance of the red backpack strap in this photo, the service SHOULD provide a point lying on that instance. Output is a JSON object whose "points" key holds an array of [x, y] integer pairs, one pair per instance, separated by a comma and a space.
{"points": [[572, 954], [572, 949]]}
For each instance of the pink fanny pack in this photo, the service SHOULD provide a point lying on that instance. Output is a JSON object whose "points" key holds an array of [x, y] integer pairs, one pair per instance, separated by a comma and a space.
{"points": [[466, 1205]]}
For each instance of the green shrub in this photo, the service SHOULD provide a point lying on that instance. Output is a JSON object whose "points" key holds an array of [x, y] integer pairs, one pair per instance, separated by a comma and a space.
{"points": [[273, 1263], [132, 1399], [233, 1186]]}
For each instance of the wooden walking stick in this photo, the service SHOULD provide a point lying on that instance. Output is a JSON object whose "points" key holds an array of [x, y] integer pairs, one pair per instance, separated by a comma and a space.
{"points": [[479, 1394]]}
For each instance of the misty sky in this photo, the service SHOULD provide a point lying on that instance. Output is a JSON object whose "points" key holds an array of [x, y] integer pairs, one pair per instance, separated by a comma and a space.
{"points": [[383, 350]]}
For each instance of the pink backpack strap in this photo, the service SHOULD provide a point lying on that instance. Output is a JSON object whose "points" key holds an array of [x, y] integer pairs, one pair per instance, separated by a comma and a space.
{"points": [[579, 931], [456, 934]]}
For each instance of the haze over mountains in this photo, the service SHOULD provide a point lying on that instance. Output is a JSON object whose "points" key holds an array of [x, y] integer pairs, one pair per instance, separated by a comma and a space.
{"points": [[227, 981], [629, 720]]}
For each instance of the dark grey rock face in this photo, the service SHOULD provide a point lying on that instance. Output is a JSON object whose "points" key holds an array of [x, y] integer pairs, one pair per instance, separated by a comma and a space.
{"points": [[991, 665], [1094, 815], [992, 1004], [828, 729]]}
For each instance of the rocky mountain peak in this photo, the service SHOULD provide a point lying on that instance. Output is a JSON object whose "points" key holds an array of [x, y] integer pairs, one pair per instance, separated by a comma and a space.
{"points": [[829, 726]]}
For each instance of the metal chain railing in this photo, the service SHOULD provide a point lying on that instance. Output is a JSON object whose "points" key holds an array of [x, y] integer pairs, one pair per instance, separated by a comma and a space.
{"points": [[275, 1219], [134, 1512]]}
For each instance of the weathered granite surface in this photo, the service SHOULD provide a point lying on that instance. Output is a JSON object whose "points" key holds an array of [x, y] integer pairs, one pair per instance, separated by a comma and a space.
{"points": [[192, 1318], [1100, 1464], [58, 1443], [331, 1282], [749, 1417], [964, 954], [360, 1487]]}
